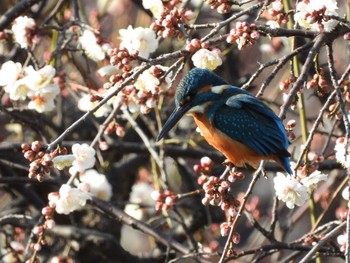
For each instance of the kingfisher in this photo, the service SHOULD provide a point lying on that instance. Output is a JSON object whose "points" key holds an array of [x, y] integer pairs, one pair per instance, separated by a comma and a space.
{"points": [[231, 119]]}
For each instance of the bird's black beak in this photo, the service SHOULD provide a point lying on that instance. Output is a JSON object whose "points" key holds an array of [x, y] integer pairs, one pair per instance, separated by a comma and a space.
{"points": [[173, 119]]}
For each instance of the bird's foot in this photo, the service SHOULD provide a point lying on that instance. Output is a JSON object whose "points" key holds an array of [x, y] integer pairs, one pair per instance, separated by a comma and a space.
{"points": [[229, 164]]}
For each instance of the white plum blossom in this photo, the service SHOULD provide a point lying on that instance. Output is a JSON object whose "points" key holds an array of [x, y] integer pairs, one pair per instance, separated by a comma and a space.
{"points": [[9, 74], [141, 193], [155, 6], [99, 185], [85, 104], [307, 12], [143, 40], [341, 152], [21, 28], [205, 58], [84, 156], [42, 90], [290, 190], [62, 161], [70, 199], [89, 44], [313, 179], [342, 241], [10, 79], [147, 82]]}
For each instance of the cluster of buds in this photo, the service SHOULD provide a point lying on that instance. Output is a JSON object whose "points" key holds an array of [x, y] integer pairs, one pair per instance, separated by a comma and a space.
{"points": [[168, 25], [243, 34], [276, 12], [205, 166], [217, 193], [121, 58], [314, 16], [222, 6], [290, 129], [148, 88], [285, 84], [41, 162], [39, 230], [115, 127], [196, 44], [321, 82], [225, 228], [165, 200]]}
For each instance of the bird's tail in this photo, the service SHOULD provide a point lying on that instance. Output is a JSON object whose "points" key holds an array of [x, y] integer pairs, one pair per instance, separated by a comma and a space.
{"points": [[284, 162]]}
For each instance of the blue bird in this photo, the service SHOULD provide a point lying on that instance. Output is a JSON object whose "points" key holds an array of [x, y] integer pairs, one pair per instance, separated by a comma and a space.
{"points": [[232, 120]]}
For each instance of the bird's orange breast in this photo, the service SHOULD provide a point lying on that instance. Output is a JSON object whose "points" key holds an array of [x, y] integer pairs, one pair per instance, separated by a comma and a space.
{"points": [[237, 153]]}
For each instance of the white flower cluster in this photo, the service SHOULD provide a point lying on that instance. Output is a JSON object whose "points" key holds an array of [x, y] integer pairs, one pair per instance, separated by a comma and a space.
{"points": [[37, 85], [294, 191], [83, 158], [89, 44], [308, 12], [143, 40], [205, 58], [70, 199], [21, 29], [98, 184], [91, 182], [341, 152]]}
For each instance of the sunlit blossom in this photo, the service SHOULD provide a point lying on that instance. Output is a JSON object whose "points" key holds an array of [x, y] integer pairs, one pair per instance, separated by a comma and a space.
{"points": [[149, 83], [42, 90], [84, 156], [70, 199], [290, 190], [342, 241], [143, 40], [21, 28], [92, 49], [10, 74], [205, 58], [62, 161], [308, 12], [99, 185], [313, 179]]}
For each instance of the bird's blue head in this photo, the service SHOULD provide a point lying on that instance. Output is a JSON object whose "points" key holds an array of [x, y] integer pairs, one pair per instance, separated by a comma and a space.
{"points": [[193, 90], [195, 81]]}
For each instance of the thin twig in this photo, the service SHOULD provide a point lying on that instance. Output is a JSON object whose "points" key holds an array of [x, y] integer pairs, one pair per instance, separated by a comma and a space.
{"points": [[323, 241], [239, 214]]}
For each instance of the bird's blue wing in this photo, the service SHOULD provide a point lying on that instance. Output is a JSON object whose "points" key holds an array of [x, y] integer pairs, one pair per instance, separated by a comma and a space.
{"points": [[247, 120]]}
